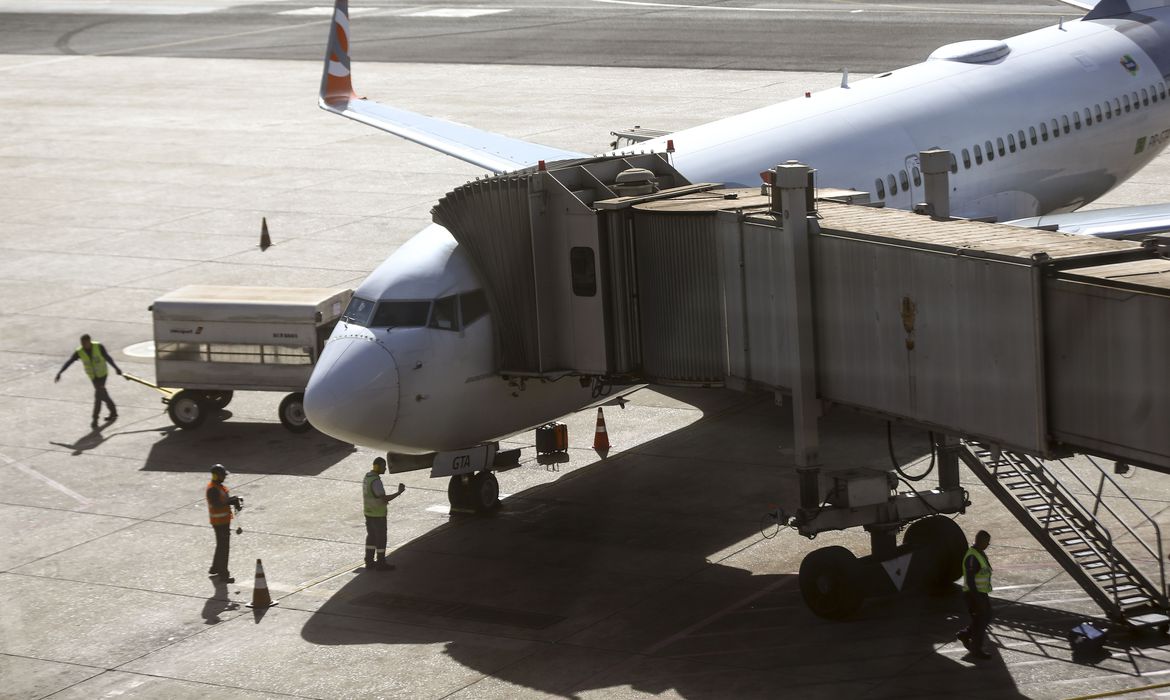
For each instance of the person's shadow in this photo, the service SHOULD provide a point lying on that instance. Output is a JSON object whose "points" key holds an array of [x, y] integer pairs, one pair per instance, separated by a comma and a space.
{"points": [[84, 443], [218, 603]]}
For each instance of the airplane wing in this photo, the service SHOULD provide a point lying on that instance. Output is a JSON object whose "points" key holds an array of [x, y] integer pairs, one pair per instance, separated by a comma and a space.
{"points": [[1118, 222], [495, 152]]}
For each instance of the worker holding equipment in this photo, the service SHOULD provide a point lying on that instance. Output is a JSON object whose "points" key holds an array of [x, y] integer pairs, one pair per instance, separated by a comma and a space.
{"points": [[977, 589], [374, 500], [94, 359], [219, 508]]}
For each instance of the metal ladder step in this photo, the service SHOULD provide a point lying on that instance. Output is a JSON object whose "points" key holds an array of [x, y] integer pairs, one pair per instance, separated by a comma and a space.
{"points": [[1121, 588], [1083, 553], [1111, 575], [1059, 530], [1018, 485], [1072, 540], [1134, 600], [1029, 496], [1148, 620], [1093, 565]]}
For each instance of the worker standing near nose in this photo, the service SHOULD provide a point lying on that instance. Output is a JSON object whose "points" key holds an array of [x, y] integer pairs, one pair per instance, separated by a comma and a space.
{"points": [[94, 358], [219, 508], [374, 500]]}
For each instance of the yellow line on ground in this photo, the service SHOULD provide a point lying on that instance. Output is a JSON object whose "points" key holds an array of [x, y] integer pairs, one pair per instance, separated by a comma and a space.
{"points": [[1115, 693]]}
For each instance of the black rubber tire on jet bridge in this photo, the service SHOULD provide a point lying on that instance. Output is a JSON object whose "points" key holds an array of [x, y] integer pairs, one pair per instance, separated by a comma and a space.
{"points": [[830, 582], [939, 545], [219, 399], [187, 409], [292, 413]]}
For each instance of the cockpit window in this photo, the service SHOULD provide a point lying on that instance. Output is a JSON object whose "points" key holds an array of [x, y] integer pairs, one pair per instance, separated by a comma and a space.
{"points": [[445, 314], [359, 311], [474, 306], [398, 314]]}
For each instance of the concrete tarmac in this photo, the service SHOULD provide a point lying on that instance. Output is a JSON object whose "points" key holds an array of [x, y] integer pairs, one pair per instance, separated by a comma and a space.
{"points": [[651, 572]]}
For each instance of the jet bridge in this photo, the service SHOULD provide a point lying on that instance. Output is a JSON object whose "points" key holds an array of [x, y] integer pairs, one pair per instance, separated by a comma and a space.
{"points": [[1013, 345]]}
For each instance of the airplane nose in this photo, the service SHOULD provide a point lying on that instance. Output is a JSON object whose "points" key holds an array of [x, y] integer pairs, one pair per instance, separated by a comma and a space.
{"points": [[353, 392]]}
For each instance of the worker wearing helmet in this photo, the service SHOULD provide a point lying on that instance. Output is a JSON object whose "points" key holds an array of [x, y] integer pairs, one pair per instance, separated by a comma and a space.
{"points": [[219, 508], [374, 500]]}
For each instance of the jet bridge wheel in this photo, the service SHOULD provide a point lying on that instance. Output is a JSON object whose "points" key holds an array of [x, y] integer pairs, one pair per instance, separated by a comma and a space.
{"points": [[830, 582], [939, 545], [187, 409], [292, 413]]}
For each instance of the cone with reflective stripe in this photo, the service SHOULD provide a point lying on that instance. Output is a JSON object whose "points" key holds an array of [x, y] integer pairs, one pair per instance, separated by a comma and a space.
{"points": [[600, 437], [260, 597]]}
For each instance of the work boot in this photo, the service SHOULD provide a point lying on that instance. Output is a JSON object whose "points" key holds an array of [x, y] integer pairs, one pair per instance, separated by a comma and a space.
{"points": [[112, 417], [370, 565], [964, 637]]}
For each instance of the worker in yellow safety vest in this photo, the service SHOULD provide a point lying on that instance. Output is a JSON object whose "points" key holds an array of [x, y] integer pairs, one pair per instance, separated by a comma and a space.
{"points": [[219, 509], [374, 500], [94, 359], [977, 589]]}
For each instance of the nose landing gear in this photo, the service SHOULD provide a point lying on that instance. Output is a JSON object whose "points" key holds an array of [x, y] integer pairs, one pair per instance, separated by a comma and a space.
{"points": [[478, 493]]}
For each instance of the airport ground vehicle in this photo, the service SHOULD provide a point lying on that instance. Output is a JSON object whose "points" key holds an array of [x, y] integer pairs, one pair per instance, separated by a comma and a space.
{"points": [[211, 341]]}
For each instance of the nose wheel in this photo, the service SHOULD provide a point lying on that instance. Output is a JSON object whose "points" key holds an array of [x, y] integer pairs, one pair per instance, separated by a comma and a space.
{"points": [[479, 493]]}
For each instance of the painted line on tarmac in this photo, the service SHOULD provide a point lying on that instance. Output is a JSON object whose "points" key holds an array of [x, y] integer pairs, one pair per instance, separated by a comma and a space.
{"points": [[55, 484], [888, 9]]}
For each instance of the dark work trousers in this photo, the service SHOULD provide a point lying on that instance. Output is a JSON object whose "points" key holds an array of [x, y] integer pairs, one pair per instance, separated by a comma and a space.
{"points": [[99, 395], [375, 539], [979, 606], [223, 545]]}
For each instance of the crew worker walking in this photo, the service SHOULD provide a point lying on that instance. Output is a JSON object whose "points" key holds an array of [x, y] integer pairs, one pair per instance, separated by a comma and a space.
{"points": [[219, 508], [94, 358], [374, 500], [976, 589]]}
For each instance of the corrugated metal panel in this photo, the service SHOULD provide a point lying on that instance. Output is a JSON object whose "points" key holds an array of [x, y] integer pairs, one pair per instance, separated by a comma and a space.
{"points": [[679, 298], [1109, 379]]}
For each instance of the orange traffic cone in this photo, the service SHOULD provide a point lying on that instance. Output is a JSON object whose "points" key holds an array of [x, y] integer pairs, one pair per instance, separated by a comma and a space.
{"points": [[265, 239], [260, 597], [600, 436]]}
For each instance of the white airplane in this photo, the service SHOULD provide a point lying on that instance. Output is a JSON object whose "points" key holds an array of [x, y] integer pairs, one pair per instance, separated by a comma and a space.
{"points": [[1041, 123]]}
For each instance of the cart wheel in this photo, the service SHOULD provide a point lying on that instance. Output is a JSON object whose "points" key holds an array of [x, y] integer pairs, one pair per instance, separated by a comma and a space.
{"points": [[292, 413], [830, 582], [219, 399], [187, 409]]}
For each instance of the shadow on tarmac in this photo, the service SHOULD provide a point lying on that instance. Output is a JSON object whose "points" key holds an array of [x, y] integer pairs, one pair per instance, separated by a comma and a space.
{"points": [[246, 448], [606, 573]]}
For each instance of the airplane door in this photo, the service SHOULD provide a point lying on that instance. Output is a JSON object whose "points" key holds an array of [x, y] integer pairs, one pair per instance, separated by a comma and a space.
{"points": [[913, 180]]}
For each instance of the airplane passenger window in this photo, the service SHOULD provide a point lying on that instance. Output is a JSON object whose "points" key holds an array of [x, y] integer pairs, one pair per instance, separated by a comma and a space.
{"points": [[1088, 117], [990, 150], [1023, 139], [1097, 110], [1043, 131], [1077, 120], [1032, 134], [1012, 143], [999, 146], [1136, 101], [879, 188], [584, 271], [1153, 94], [978, 156], [1064, 122], [1145, 98], [359, 311], [401, 314], [954, 164], [1117, 106], [917, 177], [966, 159], [445, 314], [1055, 129], [905, 180], [473, 305], [1162, 90], [893, 185], [1125, 102], [1108, 110]]}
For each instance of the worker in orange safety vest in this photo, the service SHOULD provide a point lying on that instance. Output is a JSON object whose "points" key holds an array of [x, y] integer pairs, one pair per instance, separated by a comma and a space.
{"points": [[219, 509]]}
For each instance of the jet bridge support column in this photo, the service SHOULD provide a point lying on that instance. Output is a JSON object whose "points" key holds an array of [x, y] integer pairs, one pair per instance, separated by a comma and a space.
{"points": [[936, 165], [790, 204]]}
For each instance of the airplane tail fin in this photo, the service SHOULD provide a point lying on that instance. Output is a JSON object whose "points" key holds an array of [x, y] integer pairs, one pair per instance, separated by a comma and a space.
{"points": [[1116, 8], [336, 86], [494, 152]]}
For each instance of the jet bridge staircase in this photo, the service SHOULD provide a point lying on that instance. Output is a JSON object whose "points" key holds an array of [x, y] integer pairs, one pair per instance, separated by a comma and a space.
{"points": [[1104, 561]]}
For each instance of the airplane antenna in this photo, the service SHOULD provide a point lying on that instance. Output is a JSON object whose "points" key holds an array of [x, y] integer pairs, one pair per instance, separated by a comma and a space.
{"points": [[845, 78], [1061, 27]]}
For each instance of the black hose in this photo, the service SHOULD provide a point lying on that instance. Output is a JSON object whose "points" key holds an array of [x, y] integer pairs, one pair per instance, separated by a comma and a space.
{"points": [[894, 460]]}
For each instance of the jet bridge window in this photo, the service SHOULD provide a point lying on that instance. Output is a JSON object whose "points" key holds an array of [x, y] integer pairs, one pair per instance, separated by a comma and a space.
{"points": [[359, 311], [473, 306], [999, 146], [445, 314], [966, 159], [584, 271], [879, 188], [978, 155], [401, 314]]}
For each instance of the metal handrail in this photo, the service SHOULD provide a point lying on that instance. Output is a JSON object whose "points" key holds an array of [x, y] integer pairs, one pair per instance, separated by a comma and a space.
{"points": [[1159, 555]]}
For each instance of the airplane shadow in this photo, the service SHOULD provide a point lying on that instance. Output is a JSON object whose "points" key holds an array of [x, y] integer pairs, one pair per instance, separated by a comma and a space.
{"points": [[644, 571]]}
